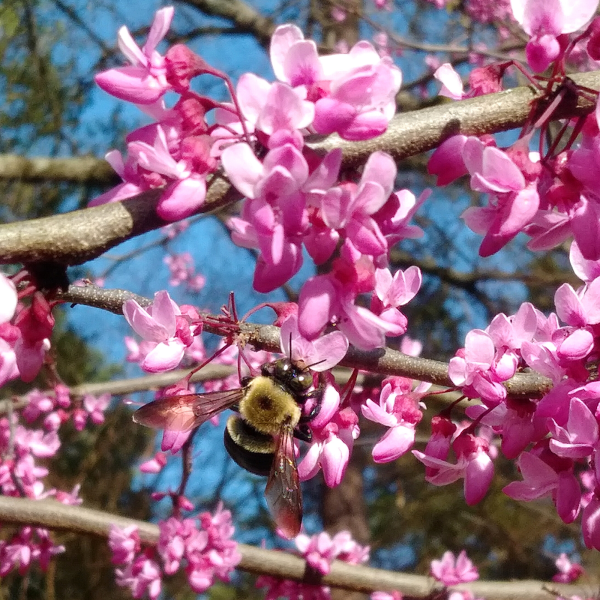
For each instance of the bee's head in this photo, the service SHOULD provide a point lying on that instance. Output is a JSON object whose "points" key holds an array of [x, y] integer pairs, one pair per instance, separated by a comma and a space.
{"points": [[291, 374]]}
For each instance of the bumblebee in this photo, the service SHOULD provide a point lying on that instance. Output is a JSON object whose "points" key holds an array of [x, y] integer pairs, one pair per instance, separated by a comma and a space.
{"points": [[260, 438]]}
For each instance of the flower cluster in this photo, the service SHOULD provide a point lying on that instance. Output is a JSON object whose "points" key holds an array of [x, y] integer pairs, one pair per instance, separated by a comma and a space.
{"points": [[29, 545], [293, 200], [203, 545], [24, 331], [451, 570], [167, 330], [320, 551], [553, 438], [181, 267]]}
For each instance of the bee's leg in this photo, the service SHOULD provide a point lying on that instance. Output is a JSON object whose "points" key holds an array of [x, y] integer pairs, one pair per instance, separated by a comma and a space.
{"points": [[303, 432], [316, 409]]}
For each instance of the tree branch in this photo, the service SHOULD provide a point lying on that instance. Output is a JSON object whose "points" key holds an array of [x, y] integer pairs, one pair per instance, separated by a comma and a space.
{"points": [[82, 169], [81, 235], [266, 337], [54, 515], [243, 17]]}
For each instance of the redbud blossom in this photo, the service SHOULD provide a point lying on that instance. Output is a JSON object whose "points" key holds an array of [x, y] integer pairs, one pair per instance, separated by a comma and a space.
{"points": [[452, 571], [145, 81]]}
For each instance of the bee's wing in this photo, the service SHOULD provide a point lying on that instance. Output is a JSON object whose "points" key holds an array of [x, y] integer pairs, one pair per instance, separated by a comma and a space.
{"points": [[182, 413], [284, 497]]}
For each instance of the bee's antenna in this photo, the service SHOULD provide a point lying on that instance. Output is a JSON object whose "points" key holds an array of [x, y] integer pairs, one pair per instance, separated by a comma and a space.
{"points": [[290, 346], [316, 363]]}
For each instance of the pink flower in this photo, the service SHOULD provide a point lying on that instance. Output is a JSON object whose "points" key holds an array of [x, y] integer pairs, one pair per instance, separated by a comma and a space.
{"points": [[332, 297], [330, 447], [124, 543], [452, 85], [387, 596], [144, 82], [141, 577], [321, 550], [181, 267], [273, 108], [70, 498], [392, 292], [186, 177], [162, 324], [35, 324], [452, 571], [8, 299], [155, 464], [26, 546], [398, 409], [38, 404], [351, 207], [586, 270], [473, 463], [540, 479], [578, 308], [513, 202], [545, 21], [580, 435], [354, 93], [285, 588], [95, 407], [473, 368], [568, 572], [320, 354]]}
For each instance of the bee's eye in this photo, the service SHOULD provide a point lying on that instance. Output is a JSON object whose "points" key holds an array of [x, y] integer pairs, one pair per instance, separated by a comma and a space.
{"points": [[301, 382]]}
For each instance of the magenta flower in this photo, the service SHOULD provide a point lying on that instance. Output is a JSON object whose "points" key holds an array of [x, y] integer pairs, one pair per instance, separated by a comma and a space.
{"points": [[124, 543], [473, 464], [452, 85], [398, 409], [141, 577], [452, 571], [321, 550], [351, 207], [580, 435], [540, 480], [273, 108], [545, 21], [586, 270], [578, 308], [513, 202], [162, 324], [473, 368], [568, 572], [155, 464], [320, 354], [354, 93], [144, 82], [331, 445], [8, 299]]}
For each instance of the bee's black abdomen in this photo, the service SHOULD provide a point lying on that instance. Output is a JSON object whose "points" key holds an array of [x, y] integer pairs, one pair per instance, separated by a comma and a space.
{"points": [[249, 448]]}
